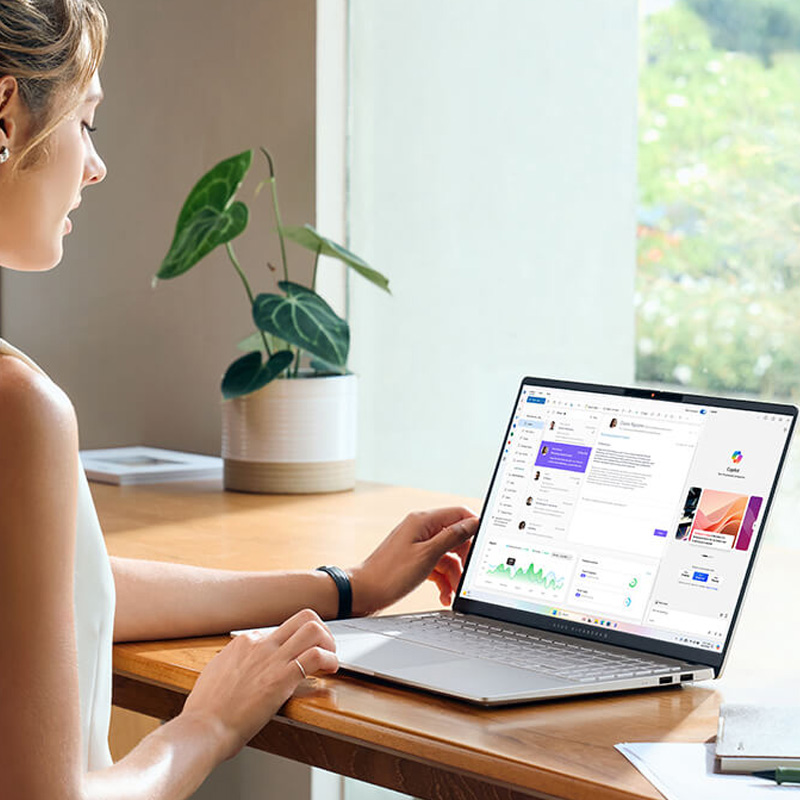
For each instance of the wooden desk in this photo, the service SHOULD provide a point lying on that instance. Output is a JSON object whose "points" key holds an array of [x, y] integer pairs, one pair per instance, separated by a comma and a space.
{"points": [[406, 740]]}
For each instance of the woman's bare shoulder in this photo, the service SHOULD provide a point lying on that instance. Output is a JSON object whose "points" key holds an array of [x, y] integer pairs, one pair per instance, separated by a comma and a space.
{"points": [[38, 438], [32, 405]]}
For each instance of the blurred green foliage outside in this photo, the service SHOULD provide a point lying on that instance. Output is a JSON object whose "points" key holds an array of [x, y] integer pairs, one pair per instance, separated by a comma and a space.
{"points": [[718, 278]]}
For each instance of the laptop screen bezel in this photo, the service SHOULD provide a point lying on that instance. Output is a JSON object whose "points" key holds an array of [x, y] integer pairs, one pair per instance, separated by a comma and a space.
{"points": [[647, 644]]}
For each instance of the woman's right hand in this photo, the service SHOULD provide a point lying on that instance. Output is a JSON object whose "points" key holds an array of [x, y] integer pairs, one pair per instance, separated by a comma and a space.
{"points": [[255, 674]]}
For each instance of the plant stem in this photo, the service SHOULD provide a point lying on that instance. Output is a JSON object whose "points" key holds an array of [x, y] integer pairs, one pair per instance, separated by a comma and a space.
{"points": [[297, 362], [314, 276], [274, 189], [238, 268]]}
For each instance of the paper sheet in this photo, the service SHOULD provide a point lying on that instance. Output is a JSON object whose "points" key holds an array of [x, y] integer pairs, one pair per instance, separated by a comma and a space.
{"points": [[686, 772]]}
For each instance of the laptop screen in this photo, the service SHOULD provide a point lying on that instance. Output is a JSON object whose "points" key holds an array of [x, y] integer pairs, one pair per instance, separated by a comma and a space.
{"points": [[630, 511]]}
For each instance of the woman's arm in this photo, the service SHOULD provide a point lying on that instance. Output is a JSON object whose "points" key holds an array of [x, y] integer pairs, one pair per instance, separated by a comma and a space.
{"points": [[40, 726], [157, 600], [234, 697]]}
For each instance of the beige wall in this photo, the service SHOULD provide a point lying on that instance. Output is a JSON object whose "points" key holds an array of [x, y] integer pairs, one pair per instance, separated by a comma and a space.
{"points": [[188, 82]]}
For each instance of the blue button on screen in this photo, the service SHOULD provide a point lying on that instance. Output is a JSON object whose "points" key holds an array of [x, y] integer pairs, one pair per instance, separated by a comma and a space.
{"points": [[700, 576]]}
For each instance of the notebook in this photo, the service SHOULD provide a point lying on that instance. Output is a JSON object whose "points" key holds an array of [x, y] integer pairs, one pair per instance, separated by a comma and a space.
{"points": [[615, 546], [754, 737]]}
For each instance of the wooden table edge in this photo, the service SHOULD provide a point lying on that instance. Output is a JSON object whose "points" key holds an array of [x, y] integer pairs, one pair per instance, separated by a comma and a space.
{"points": [[324, 739]]}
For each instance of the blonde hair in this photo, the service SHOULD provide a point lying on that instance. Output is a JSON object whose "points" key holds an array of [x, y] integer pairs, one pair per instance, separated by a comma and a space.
{"points": [[52, 48]]}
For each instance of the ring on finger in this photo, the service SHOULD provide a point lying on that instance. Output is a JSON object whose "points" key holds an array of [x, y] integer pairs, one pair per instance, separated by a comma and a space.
{"points": [[300, 667]]}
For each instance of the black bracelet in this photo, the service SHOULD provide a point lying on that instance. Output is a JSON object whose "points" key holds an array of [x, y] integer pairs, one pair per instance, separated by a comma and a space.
{"points": [[342, 581]]}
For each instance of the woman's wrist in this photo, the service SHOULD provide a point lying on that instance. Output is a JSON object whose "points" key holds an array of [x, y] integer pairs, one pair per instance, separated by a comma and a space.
{"points": [[364, 596], [213, 734]]}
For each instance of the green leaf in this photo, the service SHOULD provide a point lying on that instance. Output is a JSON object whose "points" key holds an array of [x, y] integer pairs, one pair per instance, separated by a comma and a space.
{"points": [[324, 368], [304, 319], [209, 216], [251, 342], [311, 239], [255, 342], [247, 374]]}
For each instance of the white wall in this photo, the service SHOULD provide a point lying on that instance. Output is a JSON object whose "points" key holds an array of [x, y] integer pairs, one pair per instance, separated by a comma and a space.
{"points": [[187, 83], [493, 156]]}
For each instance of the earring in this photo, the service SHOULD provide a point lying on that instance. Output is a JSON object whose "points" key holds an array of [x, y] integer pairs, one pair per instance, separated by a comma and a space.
{"points": [[5, 154]]}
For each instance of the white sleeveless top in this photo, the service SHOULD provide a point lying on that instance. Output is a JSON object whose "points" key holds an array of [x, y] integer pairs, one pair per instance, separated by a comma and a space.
{"points": [[94, 618]]}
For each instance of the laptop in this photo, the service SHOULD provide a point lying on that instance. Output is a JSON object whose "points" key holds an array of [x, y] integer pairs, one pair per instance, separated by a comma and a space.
{"points": [[615, 546]]}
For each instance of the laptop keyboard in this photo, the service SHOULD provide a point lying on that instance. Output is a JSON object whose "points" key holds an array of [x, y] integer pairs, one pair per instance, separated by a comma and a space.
{"points": [[533, 650]]}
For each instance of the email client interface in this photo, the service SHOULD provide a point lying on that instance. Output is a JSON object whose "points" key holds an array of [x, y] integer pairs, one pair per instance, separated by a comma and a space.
{"points": [[627, 513]]}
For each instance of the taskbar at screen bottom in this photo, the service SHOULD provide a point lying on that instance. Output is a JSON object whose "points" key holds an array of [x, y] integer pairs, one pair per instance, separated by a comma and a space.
{"points": [[712, 643]]}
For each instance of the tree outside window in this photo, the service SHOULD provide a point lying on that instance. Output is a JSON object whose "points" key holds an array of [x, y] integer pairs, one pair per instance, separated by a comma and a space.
{"points": [[718, 279]]}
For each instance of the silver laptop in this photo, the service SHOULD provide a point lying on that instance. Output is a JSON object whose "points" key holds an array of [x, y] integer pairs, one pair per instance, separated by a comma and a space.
{"points": [[616, 542]]}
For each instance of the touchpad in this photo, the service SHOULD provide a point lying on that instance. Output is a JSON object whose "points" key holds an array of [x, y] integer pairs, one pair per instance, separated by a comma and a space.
{"points": [[372, 652]]}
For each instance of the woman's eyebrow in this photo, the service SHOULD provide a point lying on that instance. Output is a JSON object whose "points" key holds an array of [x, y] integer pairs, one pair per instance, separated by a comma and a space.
{"points": [[95, 97]]}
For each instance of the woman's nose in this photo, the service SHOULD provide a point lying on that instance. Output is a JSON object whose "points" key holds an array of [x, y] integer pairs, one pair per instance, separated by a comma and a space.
{"points": [[95, 169]]}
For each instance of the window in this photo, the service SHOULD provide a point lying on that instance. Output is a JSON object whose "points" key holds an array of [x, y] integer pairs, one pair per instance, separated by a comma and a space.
{"points": [[718, 234], [535, 219]]}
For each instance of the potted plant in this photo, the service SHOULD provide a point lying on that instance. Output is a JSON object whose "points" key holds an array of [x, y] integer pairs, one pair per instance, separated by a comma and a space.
{"points": [[286, 426]]}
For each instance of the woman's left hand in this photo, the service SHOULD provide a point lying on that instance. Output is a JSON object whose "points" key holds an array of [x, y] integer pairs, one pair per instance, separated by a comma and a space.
{"points": [[426, 544]]}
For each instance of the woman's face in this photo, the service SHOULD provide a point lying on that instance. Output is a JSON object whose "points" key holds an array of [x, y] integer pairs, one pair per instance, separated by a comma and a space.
{"points": [[35, 202]]}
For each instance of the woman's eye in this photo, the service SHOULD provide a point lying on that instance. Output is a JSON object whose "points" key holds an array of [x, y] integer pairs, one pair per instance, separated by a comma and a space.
{"points": [[88, 127]]}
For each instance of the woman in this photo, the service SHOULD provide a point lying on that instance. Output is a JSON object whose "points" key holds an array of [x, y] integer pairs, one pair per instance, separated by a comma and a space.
{"points": [[57, 584]]}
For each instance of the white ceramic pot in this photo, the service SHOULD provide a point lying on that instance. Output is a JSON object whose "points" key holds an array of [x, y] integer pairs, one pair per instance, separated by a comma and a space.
{"points": [[293, 436]]}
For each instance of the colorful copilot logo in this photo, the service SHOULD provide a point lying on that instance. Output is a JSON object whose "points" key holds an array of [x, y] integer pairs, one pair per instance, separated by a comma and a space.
{"points": [[737, 456]]}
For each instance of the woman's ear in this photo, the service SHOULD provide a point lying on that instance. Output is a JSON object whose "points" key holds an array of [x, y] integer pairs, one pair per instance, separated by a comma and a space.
{"points": [[9, 108]]}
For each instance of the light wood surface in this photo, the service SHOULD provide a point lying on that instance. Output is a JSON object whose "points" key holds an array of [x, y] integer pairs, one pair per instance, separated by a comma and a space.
{"points": [[411, 741]]}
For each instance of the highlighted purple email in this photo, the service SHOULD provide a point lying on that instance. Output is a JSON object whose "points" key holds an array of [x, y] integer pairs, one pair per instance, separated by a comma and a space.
{"points": [[569, 457]]}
